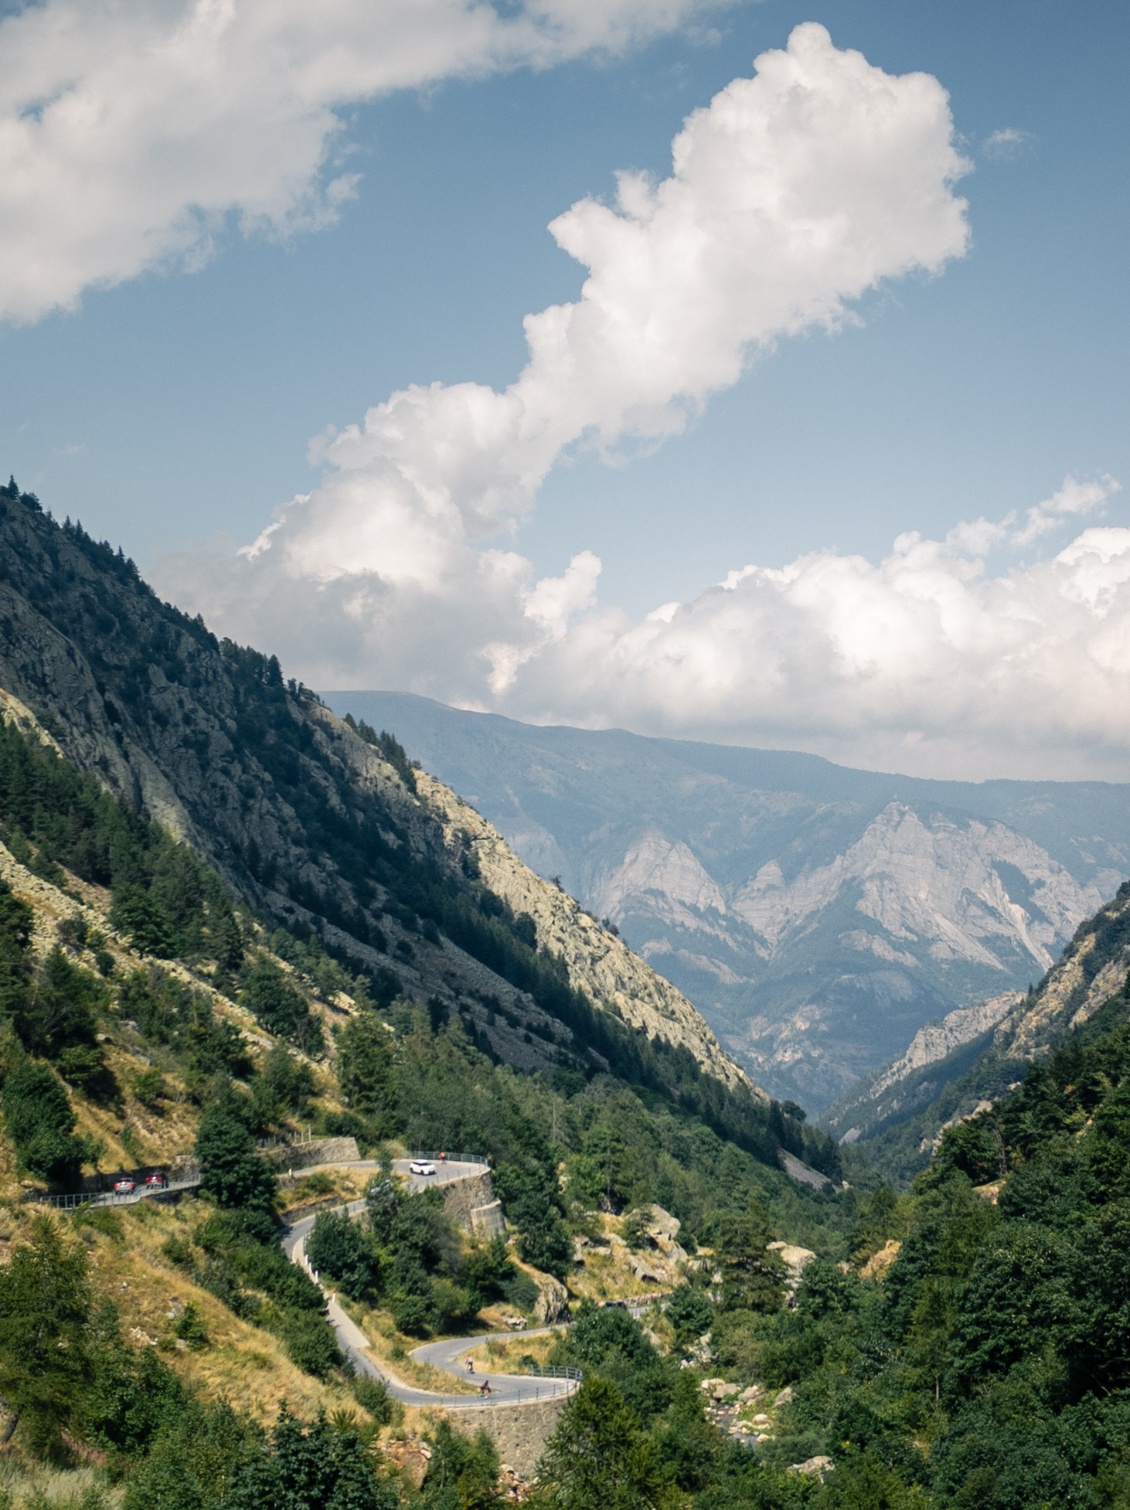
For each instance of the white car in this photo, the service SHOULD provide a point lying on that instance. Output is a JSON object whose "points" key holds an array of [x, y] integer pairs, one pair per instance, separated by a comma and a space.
{"points": [[421, 1166]]}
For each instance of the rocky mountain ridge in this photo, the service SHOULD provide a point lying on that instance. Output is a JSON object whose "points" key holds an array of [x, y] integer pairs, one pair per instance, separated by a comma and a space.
{"points": [[817, 916], [970, 1059]]}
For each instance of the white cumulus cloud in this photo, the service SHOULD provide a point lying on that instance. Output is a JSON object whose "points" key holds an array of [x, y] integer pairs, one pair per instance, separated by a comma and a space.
{"points": [[1005, 144], [791, 194], [131, 130], [924, 660]]}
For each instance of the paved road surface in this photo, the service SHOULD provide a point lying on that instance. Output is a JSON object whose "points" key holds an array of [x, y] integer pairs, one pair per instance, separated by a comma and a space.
{"points": [[445, 1173], [448, 1355]]}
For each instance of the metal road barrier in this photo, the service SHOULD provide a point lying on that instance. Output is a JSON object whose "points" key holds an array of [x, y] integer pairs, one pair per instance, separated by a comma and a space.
{"points": [[554, 1371], [446, 1156], [114, 1198], [519, 1397]]}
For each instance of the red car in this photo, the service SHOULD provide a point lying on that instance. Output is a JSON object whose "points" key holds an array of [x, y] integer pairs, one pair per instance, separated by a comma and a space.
{"points": [[125, 1187], [157, 1180]]}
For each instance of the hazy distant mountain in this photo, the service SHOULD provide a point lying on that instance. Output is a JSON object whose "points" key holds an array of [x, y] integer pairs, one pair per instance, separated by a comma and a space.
{"points": [[818, 916]]}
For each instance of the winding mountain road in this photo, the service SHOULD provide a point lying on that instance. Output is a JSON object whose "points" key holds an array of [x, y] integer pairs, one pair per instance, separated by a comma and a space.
{"points": [[449, 1354]]}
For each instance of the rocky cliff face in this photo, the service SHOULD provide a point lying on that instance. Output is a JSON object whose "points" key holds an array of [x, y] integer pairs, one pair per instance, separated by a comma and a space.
{"points": [[817, 916], [937, 1054], [973, 1056], [599, 963]]}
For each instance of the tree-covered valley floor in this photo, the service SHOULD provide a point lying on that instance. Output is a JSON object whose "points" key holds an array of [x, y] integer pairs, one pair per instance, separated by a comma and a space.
{"points": [[963, 1343]]}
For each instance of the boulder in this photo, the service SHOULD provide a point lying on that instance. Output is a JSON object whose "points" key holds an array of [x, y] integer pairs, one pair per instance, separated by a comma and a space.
{"points": [[647, 1272], [411, 1457], [662, 1227], [795, 1260], [552, 1302], [814, 1467], [783, 1397]]}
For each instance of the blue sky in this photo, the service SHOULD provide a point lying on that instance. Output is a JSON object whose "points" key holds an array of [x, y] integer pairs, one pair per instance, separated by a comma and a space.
{"points": [[176, 406]]}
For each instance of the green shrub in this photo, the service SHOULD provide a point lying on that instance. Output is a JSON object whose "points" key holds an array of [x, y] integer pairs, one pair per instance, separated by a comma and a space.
{"points": [[636, 1226], [178, 1251], [151, 1088], [411, 1314], [372, 1396], [41, 1124], [190, 1328], [690, 1313], [345, 1253], [290, 1081], [232, 1173], [309, 1341], [101, 1219], [320, 1183], [280, 1006]]}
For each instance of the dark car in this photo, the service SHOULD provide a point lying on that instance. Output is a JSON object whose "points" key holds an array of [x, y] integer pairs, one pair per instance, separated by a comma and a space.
{"points": [[157, 1180]]}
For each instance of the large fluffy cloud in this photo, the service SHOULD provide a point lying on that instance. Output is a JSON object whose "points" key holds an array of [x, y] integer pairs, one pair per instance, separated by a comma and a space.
{"points": [[925, 661], [793, 193], [130, 129]]}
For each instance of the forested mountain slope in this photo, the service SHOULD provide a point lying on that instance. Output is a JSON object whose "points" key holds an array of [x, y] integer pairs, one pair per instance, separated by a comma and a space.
{"points": [[986, 1366], [963, 1345], [311, 822], [147, 1017], [818, 916], [598, 961]]}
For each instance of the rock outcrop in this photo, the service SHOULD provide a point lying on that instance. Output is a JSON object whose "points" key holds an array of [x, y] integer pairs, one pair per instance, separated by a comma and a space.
{"points": [[599, 963], [929, 1094]]}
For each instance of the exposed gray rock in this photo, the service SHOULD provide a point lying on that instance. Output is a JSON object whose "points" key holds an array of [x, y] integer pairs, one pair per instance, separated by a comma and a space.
{"points": [[938, 1039], [553, 1301], [599, 963], [814, 1467]]}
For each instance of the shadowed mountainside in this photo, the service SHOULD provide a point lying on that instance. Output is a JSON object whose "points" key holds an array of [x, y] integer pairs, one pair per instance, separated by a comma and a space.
{"points": [[314, 825]]}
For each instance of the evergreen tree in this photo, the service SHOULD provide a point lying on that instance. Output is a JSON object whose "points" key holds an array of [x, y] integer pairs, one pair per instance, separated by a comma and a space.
{"points": [[45, 1306], [364, 1064], [231, 1171], [311, 1468], [598, 1458]]}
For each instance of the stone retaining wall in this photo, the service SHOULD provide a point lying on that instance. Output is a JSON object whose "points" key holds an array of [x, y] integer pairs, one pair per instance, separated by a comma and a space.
{"points": [[319, 1151], [462, 1198], [488, 1221], [520, 1432]]}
